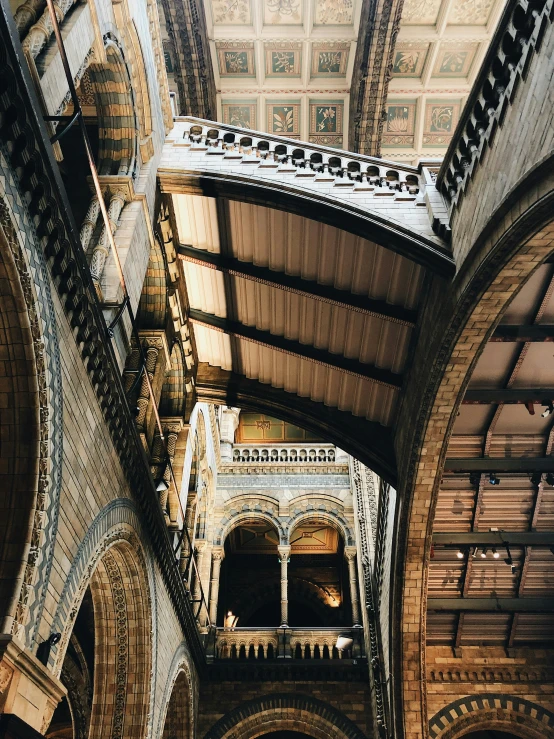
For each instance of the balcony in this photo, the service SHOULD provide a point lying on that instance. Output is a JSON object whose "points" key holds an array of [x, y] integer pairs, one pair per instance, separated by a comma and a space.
{"points": [[329, 645]]}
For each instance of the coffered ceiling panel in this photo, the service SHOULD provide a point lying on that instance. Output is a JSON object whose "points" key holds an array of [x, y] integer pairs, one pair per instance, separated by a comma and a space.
{"points": [[285, 66]]}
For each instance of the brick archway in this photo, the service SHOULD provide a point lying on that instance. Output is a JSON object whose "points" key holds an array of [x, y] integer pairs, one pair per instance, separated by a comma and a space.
{"points": [[282, 712], [494, 711]]}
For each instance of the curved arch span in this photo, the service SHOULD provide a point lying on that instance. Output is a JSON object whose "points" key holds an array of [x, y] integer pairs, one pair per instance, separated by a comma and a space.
{"points": [[245, 517], [282, 712]]}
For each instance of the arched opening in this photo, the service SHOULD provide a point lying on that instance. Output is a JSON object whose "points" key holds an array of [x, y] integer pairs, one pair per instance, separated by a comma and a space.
{"points": [[19, 426], [179, 716], [71, 719], [490, 734], [318, 575], [250, 575]]}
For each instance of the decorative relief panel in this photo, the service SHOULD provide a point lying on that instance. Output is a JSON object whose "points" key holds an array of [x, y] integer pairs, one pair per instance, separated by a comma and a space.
{"points": [[454, 60], [330, 59], [326, 122], [236, 12], [333, 12], [421, 12], [409, 59], [399, 125], [283, 12], [235, 58], [241, 113], [470, 12], [441, 118], [283, 59], [283, 118]]}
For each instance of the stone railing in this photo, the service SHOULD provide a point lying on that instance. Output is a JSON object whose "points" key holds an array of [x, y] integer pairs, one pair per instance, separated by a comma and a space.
{"points": [[306, 160], [518, 35], [287, 643], [291, 453]]}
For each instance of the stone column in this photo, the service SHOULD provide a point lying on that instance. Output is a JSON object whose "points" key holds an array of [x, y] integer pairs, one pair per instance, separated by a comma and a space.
{"points": [[217, 558], [350, 554], [197, 584], [229, 423], [102, 249], [284, 554]]}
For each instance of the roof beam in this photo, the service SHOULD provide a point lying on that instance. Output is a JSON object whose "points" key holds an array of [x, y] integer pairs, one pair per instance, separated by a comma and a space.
{"points": [[500, 464], [295, 348], [503, 605], [508, 396], [367, 441], [536, 332], [298, 285], [492, 538]]}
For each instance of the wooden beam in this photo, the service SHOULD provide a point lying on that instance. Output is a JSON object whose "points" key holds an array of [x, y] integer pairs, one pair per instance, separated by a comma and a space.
{"points": [[508, 396], [498, 538], [298, 285], [499, 464], [502, 605], [535, 332], [295, 348]]}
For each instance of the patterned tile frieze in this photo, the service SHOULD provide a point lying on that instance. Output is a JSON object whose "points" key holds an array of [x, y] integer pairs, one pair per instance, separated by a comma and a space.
{"points": [[235, 58]]}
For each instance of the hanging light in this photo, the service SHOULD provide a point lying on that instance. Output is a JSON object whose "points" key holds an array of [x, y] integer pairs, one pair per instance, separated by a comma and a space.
{"points": [[484, 553], [495, 554], [493, 479], [344, 641], [548, 409], [460, 554]]}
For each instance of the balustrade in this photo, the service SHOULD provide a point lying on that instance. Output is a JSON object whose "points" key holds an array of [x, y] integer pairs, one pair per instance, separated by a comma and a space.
{"points": [[317, 163], [291, 454], [287, 643]]}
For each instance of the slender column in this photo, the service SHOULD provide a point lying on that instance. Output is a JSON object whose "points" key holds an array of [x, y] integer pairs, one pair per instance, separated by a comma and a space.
{"points": [[41, 31], [284, 554], [143, 401], [89, 224], [217, 557], [200, 551], [350, 554], [102, 249]]}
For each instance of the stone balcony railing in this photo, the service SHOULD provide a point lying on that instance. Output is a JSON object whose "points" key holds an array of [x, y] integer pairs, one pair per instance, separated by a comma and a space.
{"points": [[517, 37], [288, 453], [288, 643]]}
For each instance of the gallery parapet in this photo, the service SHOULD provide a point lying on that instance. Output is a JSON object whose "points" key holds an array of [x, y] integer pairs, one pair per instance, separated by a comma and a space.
{"points": [[302, 454], [324, 163], [517, 36]]}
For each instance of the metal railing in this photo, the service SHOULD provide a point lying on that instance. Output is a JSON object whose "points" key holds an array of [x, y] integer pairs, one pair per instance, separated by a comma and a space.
{"points": [[191, 569]]}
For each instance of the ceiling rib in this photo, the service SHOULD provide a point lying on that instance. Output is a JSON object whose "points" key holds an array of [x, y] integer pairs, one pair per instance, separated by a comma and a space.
{"points": [[503, 605], [295, 348], [490, 538], [299, 285], [499, 464], [508, 396], [534, 333]]}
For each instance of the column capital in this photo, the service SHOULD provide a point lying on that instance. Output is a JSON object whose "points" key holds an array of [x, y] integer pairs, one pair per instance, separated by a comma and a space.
{"points": [[284, 551], [201, 545], [350, 553], [218, 553]]}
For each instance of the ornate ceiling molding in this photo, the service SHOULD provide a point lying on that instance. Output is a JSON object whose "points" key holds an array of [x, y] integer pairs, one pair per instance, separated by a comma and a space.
{"points": [[379, 25]]}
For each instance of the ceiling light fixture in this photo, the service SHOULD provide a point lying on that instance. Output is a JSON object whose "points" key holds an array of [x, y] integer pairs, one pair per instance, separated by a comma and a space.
{"points": [[495, 554], [460, 554], [548, 408], [162, 486], [484, 553], [550, 479], [493, 479], [535, 478]]}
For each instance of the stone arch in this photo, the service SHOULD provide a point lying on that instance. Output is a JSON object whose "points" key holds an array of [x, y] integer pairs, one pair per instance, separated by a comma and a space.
{"points": [[492, 711], [242, 517], [182, 687], [284, 712], [172, 402], [115, 108], [123, 651], [506, 259], [152, 310], [334, 520], [30, 419]]}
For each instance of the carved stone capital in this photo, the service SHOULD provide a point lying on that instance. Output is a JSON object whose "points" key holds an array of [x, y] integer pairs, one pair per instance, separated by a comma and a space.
{"points": [[23, 676], [218, 554], [284, 552], [350, 553]]}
